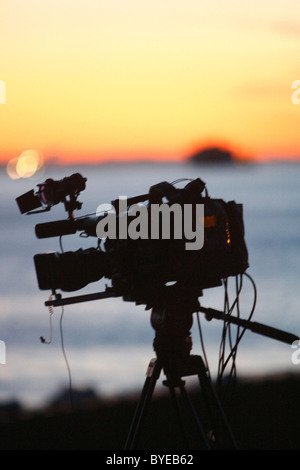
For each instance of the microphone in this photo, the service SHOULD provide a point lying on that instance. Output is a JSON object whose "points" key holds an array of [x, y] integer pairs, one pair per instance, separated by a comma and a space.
{"points": [[55, 229], [68, 227]]}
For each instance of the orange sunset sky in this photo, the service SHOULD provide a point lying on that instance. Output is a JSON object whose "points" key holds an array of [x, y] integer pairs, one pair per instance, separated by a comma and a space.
{"points": [[94, 80]]}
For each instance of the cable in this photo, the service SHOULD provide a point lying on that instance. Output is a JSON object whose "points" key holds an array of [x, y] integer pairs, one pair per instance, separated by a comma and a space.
{"points": [[86, 215], [66, 359], [50, 319], [202, 345], [228, 337], [222, 348], [233, 351], [231, 380], [60, 244], [63, 348], [180, 180]]}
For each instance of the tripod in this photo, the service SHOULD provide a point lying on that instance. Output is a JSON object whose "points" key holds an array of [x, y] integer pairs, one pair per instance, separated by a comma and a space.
{"points": [[173, 345]]}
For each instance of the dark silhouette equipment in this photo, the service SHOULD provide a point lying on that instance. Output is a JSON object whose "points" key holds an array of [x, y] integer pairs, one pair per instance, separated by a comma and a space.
{"points": [[162, 275]]}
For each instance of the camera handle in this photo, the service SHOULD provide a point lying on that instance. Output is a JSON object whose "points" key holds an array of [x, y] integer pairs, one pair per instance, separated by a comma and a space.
{"points": [[210, 313]]}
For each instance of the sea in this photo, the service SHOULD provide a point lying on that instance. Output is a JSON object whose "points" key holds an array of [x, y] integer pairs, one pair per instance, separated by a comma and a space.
{"points": [[106, 344]]}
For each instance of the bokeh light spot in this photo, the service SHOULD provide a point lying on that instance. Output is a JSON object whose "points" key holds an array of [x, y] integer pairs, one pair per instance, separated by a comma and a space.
{"points": [[26, 165], [11, 169]]}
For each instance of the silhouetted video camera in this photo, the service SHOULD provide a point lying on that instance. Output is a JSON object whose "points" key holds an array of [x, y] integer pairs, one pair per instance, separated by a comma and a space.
{"points": [[167, 244]]}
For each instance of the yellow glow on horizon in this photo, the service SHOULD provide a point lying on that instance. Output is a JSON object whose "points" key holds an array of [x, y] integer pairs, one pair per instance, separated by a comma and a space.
{"points": [[88, 80]]}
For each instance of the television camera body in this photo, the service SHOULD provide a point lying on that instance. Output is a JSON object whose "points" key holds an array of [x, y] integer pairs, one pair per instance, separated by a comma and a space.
{"points": [[155, 272]]}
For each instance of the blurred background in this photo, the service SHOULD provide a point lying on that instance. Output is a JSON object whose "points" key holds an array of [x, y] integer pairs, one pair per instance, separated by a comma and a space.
{"points": [[130, 93]]}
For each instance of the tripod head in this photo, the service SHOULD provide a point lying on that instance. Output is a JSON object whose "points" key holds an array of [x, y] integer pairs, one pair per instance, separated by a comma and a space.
{"points": [[172, 332], [172, 342]]}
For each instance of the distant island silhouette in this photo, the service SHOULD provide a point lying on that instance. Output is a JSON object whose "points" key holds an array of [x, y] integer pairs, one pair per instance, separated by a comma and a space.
{"points": [[211, 155]]}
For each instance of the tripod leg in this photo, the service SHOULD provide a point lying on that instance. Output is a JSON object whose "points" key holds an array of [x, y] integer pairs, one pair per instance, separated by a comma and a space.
{"points": [[153, 373], [194, 414], [177, 411], [217, 412]]}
